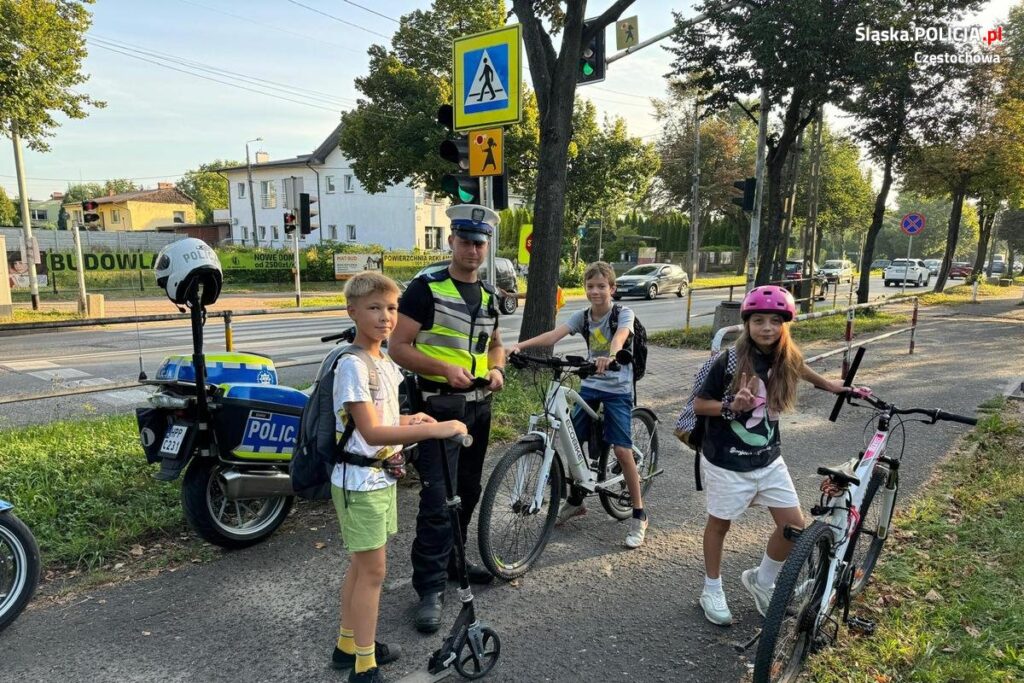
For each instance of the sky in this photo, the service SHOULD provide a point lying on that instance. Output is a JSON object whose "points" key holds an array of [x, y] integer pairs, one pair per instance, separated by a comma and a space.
{"points": [[158, 123]]}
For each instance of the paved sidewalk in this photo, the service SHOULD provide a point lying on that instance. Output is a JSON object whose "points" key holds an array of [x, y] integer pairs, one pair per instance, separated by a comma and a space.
{"points": [[590, 610]]}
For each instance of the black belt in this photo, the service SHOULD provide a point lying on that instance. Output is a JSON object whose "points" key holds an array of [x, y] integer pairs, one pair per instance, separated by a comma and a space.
{"points": [[431, 386], [359, 460]]}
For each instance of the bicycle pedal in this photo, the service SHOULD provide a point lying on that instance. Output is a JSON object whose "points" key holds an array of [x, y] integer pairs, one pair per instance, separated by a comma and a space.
{"points": [[865, 627], [791, 533], [743, 647]]}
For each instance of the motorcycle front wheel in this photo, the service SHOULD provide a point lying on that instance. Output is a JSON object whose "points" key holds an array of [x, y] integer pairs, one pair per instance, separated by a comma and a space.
{"points": [[230, 524], [19, 567]]}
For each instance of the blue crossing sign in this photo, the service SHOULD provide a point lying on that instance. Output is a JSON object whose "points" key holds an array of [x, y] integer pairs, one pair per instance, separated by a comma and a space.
{"points": [[488, 79], [912, 223]]}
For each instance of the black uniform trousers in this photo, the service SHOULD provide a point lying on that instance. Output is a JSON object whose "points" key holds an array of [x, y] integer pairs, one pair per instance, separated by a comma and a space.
{"points": [[432, 548]]}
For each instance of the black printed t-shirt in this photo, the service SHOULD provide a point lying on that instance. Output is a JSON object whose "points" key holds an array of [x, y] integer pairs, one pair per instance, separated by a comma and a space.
{"points": [[749, 442]]}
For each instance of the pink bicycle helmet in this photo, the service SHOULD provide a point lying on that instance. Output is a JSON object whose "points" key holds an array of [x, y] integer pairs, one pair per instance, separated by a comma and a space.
{"points": [[768, 299]]}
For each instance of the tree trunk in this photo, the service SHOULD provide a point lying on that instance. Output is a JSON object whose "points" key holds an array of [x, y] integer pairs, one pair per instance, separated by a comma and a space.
{"points": [[986, 217], [771, 228], [877, 218], [952, 236]]}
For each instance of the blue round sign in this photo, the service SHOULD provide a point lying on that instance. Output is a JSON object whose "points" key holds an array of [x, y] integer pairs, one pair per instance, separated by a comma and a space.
{"points": [[912, 223]]}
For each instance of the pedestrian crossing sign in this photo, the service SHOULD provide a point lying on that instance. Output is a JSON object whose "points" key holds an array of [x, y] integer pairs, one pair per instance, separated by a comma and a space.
{"points": [[488, 78], [485, 152]]}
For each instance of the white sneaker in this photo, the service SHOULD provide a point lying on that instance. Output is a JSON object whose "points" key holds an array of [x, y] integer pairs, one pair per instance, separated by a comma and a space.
{"points": [[716, 609], [637, 532], [762, 595], [569, 511]]}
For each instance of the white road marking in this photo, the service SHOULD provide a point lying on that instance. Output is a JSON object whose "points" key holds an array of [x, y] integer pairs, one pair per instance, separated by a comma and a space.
{"points": [[124, 397], [26, 365], [59, 374]]}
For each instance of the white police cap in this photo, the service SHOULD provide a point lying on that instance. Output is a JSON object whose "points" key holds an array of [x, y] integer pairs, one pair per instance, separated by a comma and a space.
{"points": [[473, 222]]}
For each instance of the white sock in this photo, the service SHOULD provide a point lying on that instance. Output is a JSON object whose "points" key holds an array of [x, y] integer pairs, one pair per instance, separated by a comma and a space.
{"points": [[768, 571], [713, 585]]}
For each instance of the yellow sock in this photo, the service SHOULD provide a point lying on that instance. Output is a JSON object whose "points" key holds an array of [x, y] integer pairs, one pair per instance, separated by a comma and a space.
{"points": [[366, 657], [346, 641]]}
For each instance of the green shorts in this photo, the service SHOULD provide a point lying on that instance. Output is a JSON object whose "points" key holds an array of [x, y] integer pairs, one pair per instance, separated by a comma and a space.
{"points": [[369, 519]]}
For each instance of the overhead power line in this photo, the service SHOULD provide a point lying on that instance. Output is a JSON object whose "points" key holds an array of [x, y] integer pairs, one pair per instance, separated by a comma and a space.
{"points": [[339, 19]]}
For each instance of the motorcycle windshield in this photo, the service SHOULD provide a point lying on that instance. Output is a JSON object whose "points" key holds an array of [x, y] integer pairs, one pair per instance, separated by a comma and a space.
{"points": [[5, 506]]}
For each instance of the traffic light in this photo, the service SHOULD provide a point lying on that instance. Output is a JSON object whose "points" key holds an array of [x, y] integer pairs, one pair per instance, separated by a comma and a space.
{"points": [[306, 213], [592, 57], [460, 187], [289, 222], [746, 202], [89, 215]]}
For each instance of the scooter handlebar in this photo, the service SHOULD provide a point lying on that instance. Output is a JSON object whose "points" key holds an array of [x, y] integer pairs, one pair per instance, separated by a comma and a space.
{"points": [[464, 440]]}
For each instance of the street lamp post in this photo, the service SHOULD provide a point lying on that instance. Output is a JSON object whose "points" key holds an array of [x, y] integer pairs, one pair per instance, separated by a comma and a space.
{"points": [[252, 197]]}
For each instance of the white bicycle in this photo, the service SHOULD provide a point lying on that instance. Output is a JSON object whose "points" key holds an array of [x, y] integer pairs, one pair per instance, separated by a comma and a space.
{"points": [[832, 559], [520, 504]]}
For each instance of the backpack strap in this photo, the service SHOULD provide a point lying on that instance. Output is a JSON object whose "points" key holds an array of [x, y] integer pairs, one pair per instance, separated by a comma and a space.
{"points": [[375, 390], [730, 370]]}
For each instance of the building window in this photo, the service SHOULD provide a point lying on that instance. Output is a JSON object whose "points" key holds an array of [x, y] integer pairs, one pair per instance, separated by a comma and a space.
{"points": [[39, 214], [333, 231], [77, 215], [276, 235], [330, 184], [350, 183], [179, 216], [351, 230], [263, 232], [268, 193], [241, 190], [245, 233], [428, 240], [115, 216]]}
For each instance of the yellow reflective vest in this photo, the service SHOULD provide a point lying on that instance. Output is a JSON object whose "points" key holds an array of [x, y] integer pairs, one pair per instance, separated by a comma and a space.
{"points": [[457, 336]]}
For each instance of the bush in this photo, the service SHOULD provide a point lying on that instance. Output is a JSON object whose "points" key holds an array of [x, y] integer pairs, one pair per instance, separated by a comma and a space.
{"points": [[571, 276]]}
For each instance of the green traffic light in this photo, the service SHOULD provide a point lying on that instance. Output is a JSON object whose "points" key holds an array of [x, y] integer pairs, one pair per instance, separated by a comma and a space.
{"points": [[588, 70], [465, 196]]}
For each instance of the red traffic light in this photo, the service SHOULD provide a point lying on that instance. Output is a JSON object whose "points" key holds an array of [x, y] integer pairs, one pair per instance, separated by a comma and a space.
{"points": [[90, 205]]}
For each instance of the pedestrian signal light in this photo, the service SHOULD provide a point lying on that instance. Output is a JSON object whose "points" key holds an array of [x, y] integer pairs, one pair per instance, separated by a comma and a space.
{"points": [[89, 209], [306, 213], [592, 58], [746, 201], [460, 187], [289, 222]]}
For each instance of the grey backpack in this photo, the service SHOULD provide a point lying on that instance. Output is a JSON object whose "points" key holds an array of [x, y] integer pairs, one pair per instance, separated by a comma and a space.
{"points": [[689, 426], [317, 448]]}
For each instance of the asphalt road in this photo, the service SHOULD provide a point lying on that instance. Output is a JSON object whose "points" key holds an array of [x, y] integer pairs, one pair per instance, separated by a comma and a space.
{"points": [[589, 611], [49, 361]]}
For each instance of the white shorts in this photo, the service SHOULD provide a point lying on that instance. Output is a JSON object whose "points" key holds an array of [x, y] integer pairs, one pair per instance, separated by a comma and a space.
{"points": [[730, 493]]}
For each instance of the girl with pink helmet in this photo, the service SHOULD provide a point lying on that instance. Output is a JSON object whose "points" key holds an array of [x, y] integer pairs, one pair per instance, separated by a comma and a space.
{"points": [[741, 461]]}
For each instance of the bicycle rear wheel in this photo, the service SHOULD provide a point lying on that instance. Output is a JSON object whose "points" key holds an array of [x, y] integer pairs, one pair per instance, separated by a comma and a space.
{"points": [[865, 545], [788, 634], [511, 535], [644, 433]]}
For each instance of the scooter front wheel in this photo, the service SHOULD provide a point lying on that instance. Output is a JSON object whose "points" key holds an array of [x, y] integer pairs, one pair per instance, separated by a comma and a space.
{"points": [[230, 524], [19, 567], [479, 653]]}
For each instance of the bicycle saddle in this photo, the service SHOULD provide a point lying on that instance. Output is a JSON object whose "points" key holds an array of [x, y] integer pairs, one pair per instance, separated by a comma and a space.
{"points": [[842, 474]]}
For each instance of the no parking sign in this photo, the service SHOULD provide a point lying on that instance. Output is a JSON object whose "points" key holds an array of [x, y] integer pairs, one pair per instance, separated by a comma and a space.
{"points": [[912, 224]]}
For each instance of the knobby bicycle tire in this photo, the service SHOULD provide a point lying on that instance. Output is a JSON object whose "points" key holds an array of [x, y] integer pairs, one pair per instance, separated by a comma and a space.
{"points": [[816, 537], [511, 564], [611, 502]]}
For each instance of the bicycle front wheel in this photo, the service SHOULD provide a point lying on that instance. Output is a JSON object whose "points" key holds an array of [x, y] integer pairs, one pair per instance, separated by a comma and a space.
{"points": [[865, 545], [513, 531], [788, 634], [643, 429]]}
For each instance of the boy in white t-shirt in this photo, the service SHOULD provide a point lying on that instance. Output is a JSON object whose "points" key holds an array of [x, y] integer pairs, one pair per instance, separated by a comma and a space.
{"points": [[365, 497]]}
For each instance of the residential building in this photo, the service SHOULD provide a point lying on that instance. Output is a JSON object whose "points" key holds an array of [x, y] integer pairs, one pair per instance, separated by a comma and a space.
{"points": [[45, 212], [401, 217], [140, 210]]}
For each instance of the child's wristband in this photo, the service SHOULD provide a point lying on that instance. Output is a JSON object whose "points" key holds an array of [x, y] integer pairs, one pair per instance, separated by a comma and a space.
{"points": [[727, 413]]}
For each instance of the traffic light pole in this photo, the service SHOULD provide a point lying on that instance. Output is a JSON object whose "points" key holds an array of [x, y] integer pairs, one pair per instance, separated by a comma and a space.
{"points": [[26, 217], [755, 217], [487, 197], [695, 208], [83, 301], [298, 280]]}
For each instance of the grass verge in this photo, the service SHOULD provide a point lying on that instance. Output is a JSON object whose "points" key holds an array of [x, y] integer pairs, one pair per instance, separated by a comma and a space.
{"points": [[307, 301], [831, 328], [946, 596], [719, 281], [22, 315], [963, 294]]}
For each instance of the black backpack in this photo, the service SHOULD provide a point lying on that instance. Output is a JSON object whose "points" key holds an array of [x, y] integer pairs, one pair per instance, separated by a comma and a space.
{"points": [[317, 448], [638, 339]]}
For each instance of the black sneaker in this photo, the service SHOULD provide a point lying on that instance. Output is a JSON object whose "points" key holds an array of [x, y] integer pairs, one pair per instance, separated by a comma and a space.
{"points": [[370, 676], [384, 653]]}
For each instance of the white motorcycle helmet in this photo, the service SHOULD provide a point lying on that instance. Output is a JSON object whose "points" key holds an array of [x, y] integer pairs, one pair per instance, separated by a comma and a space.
{"points": [[187, 263]]}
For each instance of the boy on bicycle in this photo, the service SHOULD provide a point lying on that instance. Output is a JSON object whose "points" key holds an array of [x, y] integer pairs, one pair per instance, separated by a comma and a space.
{"points": [[612, 389]]}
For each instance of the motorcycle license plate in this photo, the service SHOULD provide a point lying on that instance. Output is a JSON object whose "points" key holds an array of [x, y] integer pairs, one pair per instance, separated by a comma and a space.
{"points": [[173, 440]]}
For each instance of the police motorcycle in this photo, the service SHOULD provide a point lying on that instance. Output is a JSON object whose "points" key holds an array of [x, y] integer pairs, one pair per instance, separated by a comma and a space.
{"points": [[19, 565], [221, 418]]}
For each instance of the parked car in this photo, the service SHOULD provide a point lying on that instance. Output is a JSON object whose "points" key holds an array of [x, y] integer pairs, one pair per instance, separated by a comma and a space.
{"points": [[912, 271], [837, 270], [880, 264], [960, 270], [651, 279], [794, 271], [505, 281], [933, 265]]}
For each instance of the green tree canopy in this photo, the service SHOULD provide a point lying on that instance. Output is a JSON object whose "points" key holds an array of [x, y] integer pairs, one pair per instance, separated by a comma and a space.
{"points": [[207, 188], [42, 45], [8, 211]]}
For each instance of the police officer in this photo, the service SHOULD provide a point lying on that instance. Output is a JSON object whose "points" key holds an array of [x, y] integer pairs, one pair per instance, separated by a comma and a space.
{"points": [[448, 335]]}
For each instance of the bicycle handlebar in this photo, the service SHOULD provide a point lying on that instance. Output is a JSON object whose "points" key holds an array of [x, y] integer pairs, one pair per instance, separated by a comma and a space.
{"points": [[848, 382], [575, 364], [348, 335]]}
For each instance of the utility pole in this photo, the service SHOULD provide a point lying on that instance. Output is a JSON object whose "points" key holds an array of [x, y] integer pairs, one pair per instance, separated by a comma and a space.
{"points": [[695, 206], [808, 237], [83, 300], [252, 197], [755, 217], [26, 216]]}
